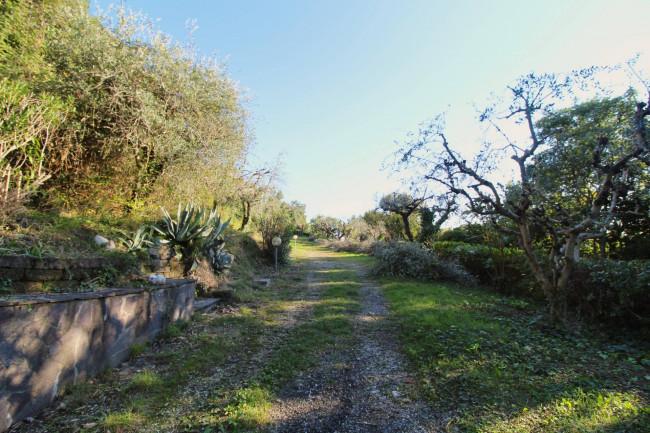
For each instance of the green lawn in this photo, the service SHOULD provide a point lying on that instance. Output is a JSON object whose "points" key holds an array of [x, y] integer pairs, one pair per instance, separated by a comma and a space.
{"points": [[496, 366]]}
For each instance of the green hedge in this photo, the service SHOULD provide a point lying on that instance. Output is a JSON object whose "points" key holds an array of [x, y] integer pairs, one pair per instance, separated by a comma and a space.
{"points": [[504, 269], [612, 291]]}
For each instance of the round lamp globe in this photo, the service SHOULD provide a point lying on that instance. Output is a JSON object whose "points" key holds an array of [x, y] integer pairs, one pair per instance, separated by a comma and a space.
{"points": [[276, 241]]}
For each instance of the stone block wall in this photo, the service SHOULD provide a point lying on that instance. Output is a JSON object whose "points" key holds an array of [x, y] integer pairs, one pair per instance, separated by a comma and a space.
{"points": [[49, 342], [162, 261], [28, 274]]}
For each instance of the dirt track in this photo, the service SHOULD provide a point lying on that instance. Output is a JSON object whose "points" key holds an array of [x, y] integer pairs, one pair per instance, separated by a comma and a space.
{"points": [[364, 388]]}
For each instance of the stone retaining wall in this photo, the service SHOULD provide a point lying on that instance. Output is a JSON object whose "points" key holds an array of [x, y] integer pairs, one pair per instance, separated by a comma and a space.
{"points": [[162, 261], [28, 274], [49, 342]]}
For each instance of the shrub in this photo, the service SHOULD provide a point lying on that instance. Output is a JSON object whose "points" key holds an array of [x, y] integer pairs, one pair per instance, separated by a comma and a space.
{"points": [[504, 269], [612, 290], [469, 234], [27, 123], [348, 246], [455, 272], [403, 259], [269, 230]]}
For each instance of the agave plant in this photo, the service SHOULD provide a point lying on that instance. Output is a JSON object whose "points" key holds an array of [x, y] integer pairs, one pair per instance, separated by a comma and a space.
{"points": [[213, 239], [191, 229], [221, 261], [140, 239], [188, 226]]}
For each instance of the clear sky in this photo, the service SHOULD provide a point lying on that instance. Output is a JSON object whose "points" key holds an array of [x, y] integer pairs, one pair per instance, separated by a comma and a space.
{"points": [[335, 83]]}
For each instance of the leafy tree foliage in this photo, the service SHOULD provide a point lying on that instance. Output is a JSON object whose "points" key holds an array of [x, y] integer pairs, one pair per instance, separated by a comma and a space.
{"points": [[432, 218], [150, 121], [532, 202], [361, 231], [330, 228], [403, 205], [27, 122], [563, 174], [278, 218], [385, 226], [254, 184]]}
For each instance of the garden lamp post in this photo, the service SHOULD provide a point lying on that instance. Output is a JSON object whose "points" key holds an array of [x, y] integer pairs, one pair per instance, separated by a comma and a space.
{"points": [[276, 241], [295, 239]]}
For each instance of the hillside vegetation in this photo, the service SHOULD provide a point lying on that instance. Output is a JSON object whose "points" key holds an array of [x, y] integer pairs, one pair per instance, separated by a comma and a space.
{"points": [[108, 125]]}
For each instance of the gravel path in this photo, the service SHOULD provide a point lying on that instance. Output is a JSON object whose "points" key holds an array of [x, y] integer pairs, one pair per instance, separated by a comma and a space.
{"points": [[362, 384], [365, 388]]}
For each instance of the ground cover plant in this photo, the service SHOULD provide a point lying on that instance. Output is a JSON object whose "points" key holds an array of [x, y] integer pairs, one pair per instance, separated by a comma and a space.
{"points": [[496, 365]]}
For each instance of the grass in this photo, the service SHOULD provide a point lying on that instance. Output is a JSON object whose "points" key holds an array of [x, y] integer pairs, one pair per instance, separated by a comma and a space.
{"points": [[145, 381], [221, 373], [245, 408], [126, 421], [60, 234], [137, 348], [493, 365], [173, 330]]}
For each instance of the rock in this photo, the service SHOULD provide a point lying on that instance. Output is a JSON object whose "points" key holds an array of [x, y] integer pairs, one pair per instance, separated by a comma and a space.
{"points": [[157, 279], [110, 246], [100, 240], [395, 394], [89, 425], [262, 282]]}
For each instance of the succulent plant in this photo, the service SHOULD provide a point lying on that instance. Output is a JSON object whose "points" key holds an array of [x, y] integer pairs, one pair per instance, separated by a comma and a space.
{"points": [[221, 260], [188, 225], [191, 230], [140, 239]]}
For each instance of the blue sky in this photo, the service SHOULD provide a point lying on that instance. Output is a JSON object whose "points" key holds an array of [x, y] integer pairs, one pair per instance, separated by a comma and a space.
{"points": [[335, 83]]}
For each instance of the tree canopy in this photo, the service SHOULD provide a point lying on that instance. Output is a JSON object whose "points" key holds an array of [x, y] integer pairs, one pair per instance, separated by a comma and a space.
{"points": [[124, 119], [573, 171]]}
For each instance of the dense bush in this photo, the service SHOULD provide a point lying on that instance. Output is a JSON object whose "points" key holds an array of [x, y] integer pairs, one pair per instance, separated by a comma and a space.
{"points": [[448, 270], [504, 269], [469, 233], [348, 246], [612, 291], [276, 219], [27, 122], [403, 259], [122, 118]]}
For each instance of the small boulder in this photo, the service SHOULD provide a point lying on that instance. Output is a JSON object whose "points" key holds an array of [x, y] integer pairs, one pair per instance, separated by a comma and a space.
{"points": [[157, 279], [101, 240]]}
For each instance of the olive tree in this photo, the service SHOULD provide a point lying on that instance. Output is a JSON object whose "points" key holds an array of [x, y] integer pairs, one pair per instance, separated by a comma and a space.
{"points": [[253, 185], [524, 205], [403, 205]]}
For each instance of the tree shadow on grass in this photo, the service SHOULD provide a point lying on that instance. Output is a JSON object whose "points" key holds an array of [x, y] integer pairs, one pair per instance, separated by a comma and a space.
{"points": [[495, 368]]}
